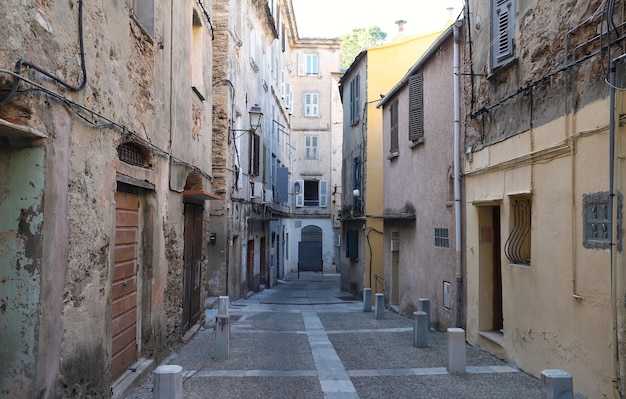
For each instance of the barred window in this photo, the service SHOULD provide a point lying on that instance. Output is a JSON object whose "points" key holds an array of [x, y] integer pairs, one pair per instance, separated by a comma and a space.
{"points": [[597, 220], [517, 246], [441, 238]]}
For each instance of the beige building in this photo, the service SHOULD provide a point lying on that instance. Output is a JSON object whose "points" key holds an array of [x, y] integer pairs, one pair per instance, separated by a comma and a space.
{"points": [[544, 176], [316, 122]]}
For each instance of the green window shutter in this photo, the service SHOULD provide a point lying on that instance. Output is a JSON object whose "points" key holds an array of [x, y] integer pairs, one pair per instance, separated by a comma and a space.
{"points": [[416, 107]]}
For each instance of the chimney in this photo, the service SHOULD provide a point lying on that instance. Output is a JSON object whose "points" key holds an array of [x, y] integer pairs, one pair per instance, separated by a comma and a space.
{"points": [[400, 24]]}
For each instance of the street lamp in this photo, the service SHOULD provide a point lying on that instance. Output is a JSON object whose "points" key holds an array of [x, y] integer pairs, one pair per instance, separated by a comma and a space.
{"points": [[296, 188], [255, 117]]}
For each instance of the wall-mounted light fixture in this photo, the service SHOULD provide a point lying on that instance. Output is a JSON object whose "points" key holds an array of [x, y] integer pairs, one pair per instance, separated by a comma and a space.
{"points": [[296, 188], [212, 238], [255, 117], [356, 193]]}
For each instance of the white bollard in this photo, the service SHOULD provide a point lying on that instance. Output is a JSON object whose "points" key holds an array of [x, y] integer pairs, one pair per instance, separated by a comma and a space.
{"points": [[167, 382], [367, 299], [222, 337], [557, 384], [222, 305], [380, 306], [456, 350]]}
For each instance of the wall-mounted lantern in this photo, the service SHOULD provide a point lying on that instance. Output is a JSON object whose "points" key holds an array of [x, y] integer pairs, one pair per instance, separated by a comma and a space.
{"points": [[255, 117], [212, 238]]}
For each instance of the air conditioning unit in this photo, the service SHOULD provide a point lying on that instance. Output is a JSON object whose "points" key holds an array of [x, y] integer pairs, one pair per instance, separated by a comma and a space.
{"points": [[257, 190], [395, 245]]}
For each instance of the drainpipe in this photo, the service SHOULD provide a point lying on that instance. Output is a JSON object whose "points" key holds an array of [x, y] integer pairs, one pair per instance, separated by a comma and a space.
{"points": [[613, 219], [457, 173]]}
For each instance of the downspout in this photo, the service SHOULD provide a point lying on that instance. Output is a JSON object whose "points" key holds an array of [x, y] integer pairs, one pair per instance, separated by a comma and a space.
{"points": [[457, 173], [614, 308]]}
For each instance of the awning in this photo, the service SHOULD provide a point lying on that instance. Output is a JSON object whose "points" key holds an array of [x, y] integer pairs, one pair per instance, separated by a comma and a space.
{"points": [[200, 195]]}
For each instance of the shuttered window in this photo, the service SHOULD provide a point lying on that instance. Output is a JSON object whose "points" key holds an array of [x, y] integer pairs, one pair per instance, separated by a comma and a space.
{"points": [[393, 117], [308, 64], [310, 146], [502, 31], [416, 107], [311, 104], [255, 154], [355, 92]]}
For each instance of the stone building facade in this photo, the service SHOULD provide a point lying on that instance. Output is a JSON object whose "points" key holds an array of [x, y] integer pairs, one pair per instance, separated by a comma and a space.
{"points": [[106, 170]]}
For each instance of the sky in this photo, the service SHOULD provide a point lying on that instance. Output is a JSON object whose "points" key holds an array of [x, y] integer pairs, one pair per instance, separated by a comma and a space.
{"points": [[333, 18]]}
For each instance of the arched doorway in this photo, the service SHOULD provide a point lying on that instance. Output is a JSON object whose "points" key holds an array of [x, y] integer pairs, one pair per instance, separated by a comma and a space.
{"points": [[310, 250]]}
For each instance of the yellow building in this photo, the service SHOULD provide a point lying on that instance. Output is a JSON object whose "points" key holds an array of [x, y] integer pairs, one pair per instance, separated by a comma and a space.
{"points": [[544, 176], [372, 74]]}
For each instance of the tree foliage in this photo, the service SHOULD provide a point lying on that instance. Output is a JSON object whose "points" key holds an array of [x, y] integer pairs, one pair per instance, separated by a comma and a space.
{"points": [[358, 40]]}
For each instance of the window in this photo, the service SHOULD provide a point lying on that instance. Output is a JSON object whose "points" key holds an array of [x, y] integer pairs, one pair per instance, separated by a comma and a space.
{"points": [[197, 46], [355, 92], [517, 246], [310, 146], [441, 238], [311, 104], [311, 193], [393, 117], [352, 244], [502, 31], [255, 154], [416, 107], [597, 220], [143, 10], [308, 64]]}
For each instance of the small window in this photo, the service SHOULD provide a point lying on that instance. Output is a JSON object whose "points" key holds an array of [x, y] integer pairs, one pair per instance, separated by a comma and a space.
{"points": [[517, 246], [393, 117], [197, 46], [310, 146], [416, 107], [441, 238], [255, 154], [597, 221], [352, 244], [355, 101], [502, 31], [311, 104], [143, 10]]}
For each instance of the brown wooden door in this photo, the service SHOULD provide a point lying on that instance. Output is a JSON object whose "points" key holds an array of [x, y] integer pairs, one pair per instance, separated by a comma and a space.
{"points": [[264, 272], [250, 266], [124, 288], [193, 262]]}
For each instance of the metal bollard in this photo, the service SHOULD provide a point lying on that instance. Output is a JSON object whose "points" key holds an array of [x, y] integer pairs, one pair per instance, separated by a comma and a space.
{"points": [[167, 382], [423, 305], [557, 384], [380, 306], [222, 305], [420, 329], [367, 299], [222, 337], [456, 350]]}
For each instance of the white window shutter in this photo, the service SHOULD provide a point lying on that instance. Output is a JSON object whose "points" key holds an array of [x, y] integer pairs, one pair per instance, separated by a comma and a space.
{"points": [[301, 64], [290, 99], [282, 83], [323, 194], [314, 147], [300, 195]]}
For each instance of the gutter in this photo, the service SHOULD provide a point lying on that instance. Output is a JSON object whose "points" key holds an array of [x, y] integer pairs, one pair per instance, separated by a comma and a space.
{"points": [[458, 228]]}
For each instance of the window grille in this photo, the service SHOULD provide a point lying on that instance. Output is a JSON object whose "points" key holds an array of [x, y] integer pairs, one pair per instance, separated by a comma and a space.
{"points": [[441, 238], [517, 246], [133, 154], [597, 220]]}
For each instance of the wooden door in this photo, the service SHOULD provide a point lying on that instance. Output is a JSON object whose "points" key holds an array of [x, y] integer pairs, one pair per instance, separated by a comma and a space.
{"points": [[124, 285], [192, 268], [250, 266]]}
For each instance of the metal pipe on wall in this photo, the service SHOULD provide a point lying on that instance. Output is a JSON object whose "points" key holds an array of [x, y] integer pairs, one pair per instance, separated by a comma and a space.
{"points": [[457, 174]]}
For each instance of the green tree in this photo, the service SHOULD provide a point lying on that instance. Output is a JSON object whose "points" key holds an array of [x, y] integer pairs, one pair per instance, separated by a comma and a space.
{"points": [[358, 40]]}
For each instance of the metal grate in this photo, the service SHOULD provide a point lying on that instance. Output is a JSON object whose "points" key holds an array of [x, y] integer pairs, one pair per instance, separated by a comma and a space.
{"points": [[131, 153], [517, 246]]}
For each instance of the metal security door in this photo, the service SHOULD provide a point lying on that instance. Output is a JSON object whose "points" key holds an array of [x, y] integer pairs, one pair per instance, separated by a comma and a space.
{"points": [[193, 262], [124, 286], [310, 250]]}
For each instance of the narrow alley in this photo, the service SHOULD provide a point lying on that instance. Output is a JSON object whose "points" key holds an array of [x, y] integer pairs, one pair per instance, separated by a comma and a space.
{"points": [[307, 339]]}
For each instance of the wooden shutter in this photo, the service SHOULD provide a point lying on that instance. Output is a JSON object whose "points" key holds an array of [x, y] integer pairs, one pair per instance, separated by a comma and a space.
{"points": [[502, 30], [323, 193], [315, 104], [314, 147], [393, 117], [416, 107], [301, 64], [281, 195], [300, 195], [307, 146]]}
